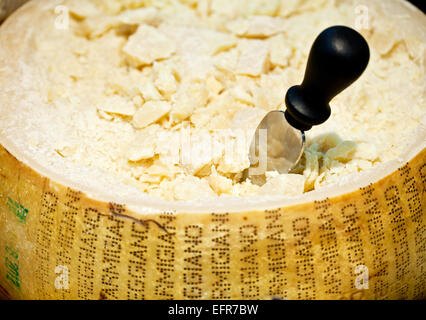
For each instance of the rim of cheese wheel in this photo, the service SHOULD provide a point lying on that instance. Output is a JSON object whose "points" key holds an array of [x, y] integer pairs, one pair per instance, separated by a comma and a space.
{"points": [[15, 30], [150, 204], [8, 6]]}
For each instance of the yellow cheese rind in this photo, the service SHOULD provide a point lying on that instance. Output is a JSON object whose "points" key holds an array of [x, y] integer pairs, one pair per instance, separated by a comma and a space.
{"points": [[305, 251]]}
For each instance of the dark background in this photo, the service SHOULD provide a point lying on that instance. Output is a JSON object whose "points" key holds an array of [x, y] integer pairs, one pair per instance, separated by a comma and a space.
{"points": [[419, 4]]}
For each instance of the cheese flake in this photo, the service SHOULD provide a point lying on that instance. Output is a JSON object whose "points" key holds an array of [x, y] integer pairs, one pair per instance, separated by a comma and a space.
{"points": [[150, 112], [148, 45], [117, 105]]}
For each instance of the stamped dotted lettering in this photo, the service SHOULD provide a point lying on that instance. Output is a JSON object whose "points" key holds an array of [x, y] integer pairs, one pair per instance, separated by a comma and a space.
{"points": [[137, 262], [329, 248], [276, 254], [354, 244], [377, 240], [413, 194], [44, 240], [165, 258], [399, 232], [249, 271], [220, 256], [87, 254], [112, 252], [67, 226], [305, 271], [192, 270]]}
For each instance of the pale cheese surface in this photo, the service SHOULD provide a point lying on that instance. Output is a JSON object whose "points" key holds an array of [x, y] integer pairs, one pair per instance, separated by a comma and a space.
{"points": [[165, 95]]}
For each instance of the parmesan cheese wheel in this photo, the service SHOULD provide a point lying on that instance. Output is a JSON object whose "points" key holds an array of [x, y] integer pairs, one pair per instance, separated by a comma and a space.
{"points": [[68, 232]]}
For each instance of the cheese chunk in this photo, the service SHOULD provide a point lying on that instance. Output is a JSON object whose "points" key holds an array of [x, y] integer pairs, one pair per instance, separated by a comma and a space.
{"points": [[148, 45], [150, 112], [149, 91], [253, 57], [280, 50], [256, 26], [187, 187], [144, 144], [284, 184], [117, 105], [219, 183]]}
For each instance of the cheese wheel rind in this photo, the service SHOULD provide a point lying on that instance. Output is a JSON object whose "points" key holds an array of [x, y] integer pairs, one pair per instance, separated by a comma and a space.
{"points": [[58, 243]]}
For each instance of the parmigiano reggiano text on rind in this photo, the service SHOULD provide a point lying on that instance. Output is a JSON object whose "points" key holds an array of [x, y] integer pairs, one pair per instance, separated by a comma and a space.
{"points": [[58, 243]]}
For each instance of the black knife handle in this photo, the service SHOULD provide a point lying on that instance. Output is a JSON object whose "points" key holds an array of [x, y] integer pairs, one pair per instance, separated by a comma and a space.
{"points": [[338, 57]]}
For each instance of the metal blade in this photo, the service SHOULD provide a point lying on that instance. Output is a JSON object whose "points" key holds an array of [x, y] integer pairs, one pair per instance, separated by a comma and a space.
{"points": [[276, 146]]}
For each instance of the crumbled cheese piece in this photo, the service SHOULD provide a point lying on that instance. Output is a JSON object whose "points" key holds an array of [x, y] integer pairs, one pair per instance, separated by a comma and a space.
{"points": [[191, 41], [269, 98], [82, 9], [203, 8], [163, 169], [382, 42], [253, 59], [200, 149], [342, 152], [150, 112], [148, 15], [149, 91], [219, 183], [144, 143], [148, 45], [226, 8], [98, 24], [104, 115], [189, 187], [235, 8], [183, 106], [118, 105], [245, 189], [187, 99], [164, 79], [256, 26], [168, 147], [311, 170], [227, 61], [218, 42], [327, 141], [284, 184], [199, 93], [236, 159], [263, 7], [281, 50], [248, 119], [367, 151], [239, 93], [214, 86]]}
